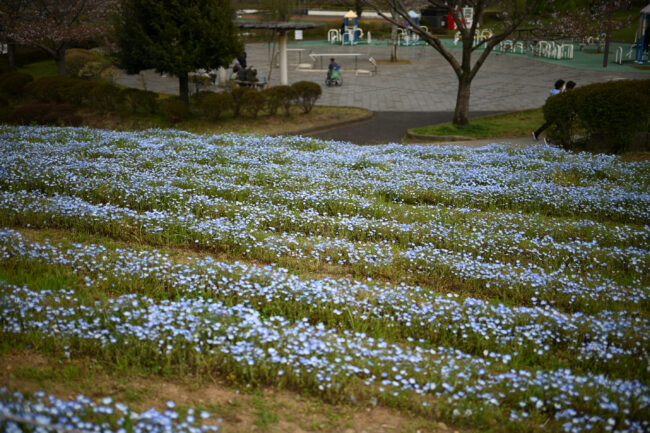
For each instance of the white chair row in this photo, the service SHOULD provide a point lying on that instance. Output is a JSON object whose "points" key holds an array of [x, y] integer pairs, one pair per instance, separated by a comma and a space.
{"points": [[553, 50], [479, 36], [513, 46]]}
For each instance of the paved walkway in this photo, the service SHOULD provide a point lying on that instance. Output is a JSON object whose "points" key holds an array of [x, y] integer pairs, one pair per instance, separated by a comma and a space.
{"points": [[504, 82], [425, 84]]}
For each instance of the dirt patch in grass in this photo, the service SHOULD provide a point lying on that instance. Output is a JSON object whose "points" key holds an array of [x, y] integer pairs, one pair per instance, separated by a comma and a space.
{"points": [[240, 409]]}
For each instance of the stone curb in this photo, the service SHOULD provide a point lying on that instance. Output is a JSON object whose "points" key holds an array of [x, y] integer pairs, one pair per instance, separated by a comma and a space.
{"points": [[415, 135]]}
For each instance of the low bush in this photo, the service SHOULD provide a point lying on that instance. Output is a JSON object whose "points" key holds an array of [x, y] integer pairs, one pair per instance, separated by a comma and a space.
{"points": [[253, 102], [213, 104], [282, 96], [561, 111], [174, 109], [46, 114], [238, 96], [612, 114], [197, 98], [137, 101], [106, 97], [76, 60], [91, 70], [78, 93], [198, 82], [50, 89], [5, 109], [13, 83], [307, 92], [272, 101]]}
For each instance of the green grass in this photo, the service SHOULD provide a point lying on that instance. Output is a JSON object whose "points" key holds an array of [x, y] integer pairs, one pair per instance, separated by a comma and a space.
{"points": [[45, 68], [515, 124]]}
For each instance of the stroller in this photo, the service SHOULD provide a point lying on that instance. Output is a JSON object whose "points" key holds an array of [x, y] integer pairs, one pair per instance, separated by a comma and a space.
{"points": [[334, 78]]}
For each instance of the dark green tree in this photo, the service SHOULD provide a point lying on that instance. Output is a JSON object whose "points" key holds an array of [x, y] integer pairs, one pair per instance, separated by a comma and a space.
{"points": [[175, 37]]}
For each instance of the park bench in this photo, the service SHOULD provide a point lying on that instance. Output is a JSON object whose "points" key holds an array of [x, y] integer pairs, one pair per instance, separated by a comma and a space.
{"points": [[254, 84]]}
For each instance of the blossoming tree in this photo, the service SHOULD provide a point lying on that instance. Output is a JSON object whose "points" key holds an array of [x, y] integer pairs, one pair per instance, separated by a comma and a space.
{"points": [[52, 25]]}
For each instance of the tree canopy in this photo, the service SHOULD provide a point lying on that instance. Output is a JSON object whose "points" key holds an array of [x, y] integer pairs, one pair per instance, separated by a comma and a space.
{"points": [[51, 25], [175, 37]]}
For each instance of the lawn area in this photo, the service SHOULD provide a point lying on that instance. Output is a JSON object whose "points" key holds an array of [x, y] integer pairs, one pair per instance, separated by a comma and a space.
{"points": [[186, 282], [515, 124]]}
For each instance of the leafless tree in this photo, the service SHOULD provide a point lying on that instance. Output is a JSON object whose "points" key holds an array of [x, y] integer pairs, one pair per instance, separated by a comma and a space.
{"points": [[475, 50]]}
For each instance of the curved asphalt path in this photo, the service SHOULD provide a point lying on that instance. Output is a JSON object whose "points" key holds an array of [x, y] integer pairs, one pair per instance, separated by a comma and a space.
{"points": [[389, 126]]}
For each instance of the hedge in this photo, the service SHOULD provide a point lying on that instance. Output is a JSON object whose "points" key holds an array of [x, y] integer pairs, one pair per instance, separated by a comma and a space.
{"points": [[13, 83], [175, 109], [612, 114], [253, 102], [136, 101], [281, 96], [46, 114], [307, 92], [213, 104]]}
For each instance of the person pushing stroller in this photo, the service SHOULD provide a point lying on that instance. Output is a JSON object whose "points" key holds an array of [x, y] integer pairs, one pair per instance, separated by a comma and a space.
{"points": [[333, 74]]}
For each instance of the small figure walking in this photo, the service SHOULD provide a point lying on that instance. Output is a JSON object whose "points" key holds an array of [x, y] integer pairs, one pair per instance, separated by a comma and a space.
{"points": [[557, 89]]}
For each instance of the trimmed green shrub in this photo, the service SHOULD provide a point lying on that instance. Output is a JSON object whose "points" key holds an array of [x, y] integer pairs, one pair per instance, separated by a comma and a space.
{"points": [[307, 92], [76, 59], [5, 109], [238, 99], [282, 96], [279, 96], [13, 83], [106, 97], [139, 101], [197, 98], [174, 109], [50, 89], [213, 104], [561, 111], [272, 102], [253, 102], [46, 114], [91, 70], [612, 114], [78, 93]]}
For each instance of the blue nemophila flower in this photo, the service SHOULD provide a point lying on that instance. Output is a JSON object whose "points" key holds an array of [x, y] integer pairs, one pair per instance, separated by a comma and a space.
{"points": [[43, 412], [561, 238]]}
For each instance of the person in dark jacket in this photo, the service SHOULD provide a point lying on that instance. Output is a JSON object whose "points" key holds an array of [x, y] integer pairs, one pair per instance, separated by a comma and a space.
{"points": [[557, 89]]}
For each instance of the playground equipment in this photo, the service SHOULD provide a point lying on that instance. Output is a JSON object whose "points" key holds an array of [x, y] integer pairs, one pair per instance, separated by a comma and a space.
{"points": [[349, 33], [406, 35]]}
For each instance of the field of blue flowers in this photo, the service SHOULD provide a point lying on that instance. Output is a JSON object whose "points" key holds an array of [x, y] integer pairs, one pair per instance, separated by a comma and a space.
{"points": [[503, 288]]}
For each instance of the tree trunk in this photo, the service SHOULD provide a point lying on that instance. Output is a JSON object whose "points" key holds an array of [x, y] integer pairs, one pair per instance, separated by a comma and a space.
{"points": [[11, 56], [393, 38], [184, 88], [59, 58], [461, 114]]}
